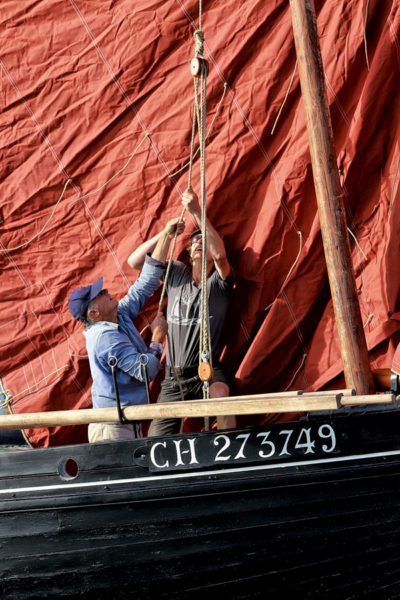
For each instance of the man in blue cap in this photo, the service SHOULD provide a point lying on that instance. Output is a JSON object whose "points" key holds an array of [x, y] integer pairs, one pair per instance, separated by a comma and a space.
{"points": [[183, 316], [110, 332]]}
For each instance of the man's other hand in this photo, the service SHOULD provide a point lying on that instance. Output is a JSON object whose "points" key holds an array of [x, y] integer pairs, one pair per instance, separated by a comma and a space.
{"points": [[190, 201], [159, 328], [174, 226]]}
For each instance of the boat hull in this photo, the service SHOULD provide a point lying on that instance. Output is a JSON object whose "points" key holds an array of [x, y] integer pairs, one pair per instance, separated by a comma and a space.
{"points": [[317, 526]]}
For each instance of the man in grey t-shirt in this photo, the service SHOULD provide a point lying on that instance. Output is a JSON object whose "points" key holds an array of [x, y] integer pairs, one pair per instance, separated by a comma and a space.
{"points": [[183, 316]]}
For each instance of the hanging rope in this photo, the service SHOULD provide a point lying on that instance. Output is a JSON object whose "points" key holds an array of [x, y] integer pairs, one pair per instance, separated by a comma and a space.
{"points": [[199, 41], [164, 287], [208, 132], [195, 118], [199, 70], [205, 368]]}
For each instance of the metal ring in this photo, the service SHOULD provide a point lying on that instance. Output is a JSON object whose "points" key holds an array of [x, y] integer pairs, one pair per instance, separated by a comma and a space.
{"points": [[112, 361], [142, 361]]}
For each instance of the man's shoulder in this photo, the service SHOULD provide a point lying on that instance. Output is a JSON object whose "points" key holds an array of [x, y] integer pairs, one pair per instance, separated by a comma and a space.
{"points": [[96, 330], [217, 280], [178, 265], [102, 336], [179, 273]]}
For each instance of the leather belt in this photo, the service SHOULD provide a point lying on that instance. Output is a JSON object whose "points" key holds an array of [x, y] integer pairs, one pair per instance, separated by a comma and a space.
{"points": [[189, 371]]}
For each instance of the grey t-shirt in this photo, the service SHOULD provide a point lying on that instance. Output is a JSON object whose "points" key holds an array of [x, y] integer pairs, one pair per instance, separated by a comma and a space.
{"points": [[183, 314]]}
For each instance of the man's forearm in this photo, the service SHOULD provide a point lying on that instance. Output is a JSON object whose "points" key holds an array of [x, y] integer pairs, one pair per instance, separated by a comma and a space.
{"points": [[136, 259], [160, 252]]}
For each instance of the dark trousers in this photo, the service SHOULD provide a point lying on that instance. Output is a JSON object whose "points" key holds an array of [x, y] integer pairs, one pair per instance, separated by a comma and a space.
{"points": [[170, 392]]}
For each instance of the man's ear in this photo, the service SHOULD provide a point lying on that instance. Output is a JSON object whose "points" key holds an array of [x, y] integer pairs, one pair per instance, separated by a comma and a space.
{"points": [[93, 313]]}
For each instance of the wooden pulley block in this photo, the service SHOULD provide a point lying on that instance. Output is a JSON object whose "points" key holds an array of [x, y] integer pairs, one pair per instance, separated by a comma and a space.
{"points": [[198, 65], [205, 371]]}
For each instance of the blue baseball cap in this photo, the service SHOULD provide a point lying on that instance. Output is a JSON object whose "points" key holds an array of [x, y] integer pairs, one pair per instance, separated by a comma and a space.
{"points": [[82, 296]]}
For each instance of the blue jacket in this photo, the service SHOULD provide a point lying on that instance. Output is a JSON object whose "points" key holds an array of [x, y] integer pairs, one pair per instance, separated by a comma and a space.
{"points": [[122, 340]]}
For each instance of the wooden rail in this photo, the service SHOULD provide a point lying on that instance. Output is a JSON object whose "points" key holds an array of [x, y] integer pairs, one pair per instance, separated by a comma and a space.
{"points": [[283, 402]]}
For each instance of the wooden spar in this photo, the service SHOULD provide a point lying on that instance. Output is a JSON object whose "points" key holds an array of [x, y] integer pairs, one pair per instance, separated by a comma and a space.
{"points": [[239, 405], [331, 210]]}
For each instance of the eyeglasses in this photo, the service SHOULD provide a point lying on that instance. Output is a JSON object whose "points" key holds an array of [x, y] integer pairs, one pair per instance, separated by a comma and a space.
{"points": [[195, 239]]}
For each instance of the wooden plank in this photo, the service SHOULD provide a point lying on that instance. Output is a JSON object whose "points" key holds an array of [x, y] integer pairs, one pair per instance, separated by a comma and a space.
{"points": [[238, 405], [296, 394], [329, 196], [368, 399]]}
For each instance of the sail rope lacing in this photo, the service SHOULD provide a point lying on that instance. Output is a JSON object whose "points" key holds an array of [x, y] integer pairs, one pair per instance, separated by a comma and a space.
{"points": [[9, 396]]}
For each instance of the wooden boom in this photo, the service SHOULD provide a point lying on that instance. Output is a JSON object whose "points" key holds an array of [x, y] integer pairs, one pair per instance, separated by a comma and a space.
{"points": [[328, 190], [238, 405]]}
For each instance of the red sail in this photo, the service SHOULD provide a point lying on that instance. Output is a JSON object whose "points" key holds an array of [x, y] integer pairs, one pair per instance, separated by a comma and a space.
{"points": [[84, 83]]}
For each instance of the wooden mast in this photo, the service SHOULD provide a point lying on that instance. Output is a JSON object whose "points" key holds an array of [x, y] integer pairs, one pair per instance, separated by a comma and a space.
{"points": [[331, 210]]}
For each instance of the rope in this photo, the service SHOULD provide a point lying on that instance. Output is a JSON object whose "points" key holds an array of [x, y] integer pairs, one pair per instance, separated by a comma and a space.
{"points": [[169, 264], [291, 268], [205, 341], [147, 135], [79, 198], [31, 387], [370, 317], [196, 117], [200, 13], [208, 132], [44, 226], [199, 115], [199, 41], [365, 34], [285, 98], [357, 244], [4, 404], [296, 373], [393, 186]]}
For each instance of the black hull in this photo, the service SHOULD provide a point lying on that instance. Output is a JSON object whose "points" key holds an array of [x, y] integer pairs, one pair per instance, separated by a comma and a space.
{"points": [[325, 527], [12, 438]]}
